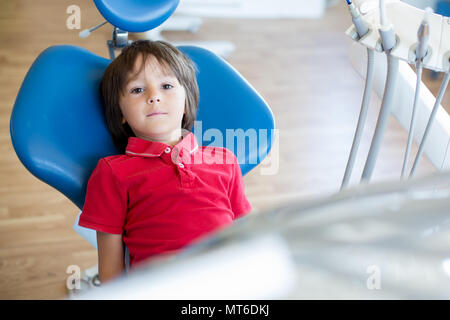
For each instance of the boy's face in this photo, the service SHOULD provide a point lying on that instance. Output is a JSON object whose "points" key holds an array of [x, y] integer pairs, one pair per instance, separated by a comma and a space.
{"points": [[153, 102]]}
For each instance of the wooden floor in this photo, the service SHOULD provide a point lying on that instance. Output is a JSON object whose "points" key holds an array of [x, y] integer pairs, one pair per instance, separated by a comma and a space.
{"points": [[301, 68]]}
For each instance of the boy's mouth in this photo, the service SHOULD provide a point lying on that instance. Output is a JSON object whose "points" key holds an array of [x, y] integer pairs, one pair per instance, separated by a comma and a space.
{"points": [[156, 113]]}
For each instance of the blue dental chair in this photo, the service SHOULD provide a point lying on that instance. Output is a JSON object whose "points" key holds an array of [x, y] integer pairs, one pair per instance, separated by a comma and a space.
{"points": [[57, 124]]}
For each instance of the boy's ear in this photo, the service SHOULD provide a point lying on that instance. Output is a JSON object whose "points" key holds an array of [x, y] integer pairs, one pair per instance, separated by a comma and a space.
{"points": [[124, 120]]}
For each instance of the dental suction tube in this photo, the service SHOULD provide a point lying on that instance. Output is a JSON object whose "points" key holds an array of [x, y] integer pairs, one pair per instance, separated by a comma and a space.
{"points": [[388, 41], [362, 117], [386, 106], [362, 29]]}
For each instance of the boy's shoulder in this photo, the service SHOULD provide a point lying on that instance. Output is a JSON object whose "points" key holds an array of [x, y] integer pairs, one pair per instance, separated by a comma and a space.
{"points": [[116, 159], [216, 149], [217, 153], [117, 163]]}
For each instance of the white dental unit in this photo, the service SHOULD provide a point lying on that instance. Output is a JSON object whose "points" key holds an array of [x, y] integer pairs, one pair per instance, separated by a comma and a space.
{"points": [[419, 38]]}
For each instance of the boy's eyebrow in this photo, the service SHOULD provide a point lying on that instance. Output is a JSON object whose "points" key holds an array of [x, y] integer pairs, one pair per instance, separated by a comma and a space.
{"points": [[165, 77]]}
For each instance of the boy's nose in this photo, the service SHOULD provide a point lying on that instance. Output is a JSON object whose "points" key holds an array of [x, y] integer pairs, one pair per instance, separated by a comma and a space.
{"points": [[152, 100]]}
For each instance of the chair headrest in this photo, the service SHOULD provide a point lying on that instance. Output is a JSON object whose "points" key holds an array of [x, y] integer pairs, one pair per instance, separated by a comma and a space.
{"points": [[136, 15]]}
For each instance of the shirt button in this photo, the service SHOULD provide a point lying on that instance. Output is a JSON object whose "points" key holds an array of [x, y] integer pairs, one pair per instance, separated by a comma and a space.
{"points": [[181, 165], [167, 150]]}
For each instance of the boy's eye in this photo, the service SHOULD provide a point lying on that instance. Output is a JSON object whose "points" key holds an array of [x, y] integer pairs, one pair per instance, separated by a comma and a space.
{"points": [[167, 86], [137, 90]]}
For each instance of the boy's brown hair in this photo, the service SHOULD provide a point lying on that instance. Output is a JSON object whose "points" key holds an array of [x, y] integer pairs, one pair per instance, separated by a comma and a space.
{"points": [[117, 73]]}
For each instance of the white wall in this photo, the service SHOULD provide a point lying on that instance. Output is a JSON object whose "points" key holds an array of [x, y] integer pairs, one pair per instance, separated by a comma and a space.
{"points": [[253, 8]]}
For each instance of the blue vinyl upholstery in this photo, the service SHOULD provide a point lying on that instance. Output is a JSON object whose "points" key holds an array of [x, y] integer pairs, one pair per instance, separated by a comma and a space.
{"points": [[58, 128], [136, 15], [443, 8]]}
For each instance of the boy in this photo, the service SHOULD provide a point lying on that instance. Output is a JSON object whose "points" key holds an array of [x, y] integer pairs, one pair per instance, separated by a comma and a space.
{"points": [[156, 197]]}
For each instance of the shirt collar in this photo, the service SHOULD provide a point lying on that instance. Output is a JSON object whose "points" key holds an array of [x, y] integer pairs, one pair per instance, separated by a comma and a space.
{"points": [[145, 148]]}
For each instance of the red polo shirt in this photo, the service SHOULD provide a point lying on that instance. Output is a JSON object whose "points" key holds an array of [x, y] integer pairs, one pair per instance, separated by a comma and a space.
{"points": [[162, 198]]}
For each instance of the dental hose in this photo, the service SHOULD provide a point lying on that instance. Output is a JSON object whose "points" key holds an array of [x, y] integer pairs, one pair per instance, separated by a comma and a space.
{"points": [[386, 106], [362, 118], [419, 68], [362, 29], [430, 121], [389, 41], [423, 35]]}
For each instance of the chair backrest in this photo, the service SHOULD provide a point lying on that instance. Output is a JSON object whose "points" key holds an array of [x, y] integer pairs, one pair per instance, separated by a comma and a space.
{"points": [[59, 132]]}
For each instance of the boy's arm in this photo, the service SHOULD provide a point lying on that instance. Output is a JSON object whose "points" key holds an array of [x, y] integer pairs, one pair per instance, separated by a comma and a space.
{"points": [[111, 262]]}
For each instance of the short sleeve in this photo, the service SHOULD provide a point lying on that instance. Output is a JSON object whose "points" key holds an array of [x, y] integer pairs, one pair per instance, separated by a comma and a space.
{"points": [[239, 203], [105, 205]]}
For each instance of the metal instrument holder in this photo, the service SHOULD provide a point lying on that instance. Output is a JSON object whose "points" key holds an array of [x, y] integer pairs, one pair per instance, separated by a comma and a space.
{"points": [[119, 41]]}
